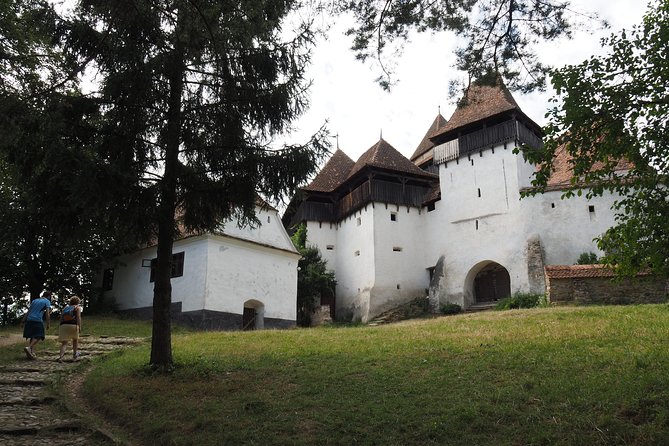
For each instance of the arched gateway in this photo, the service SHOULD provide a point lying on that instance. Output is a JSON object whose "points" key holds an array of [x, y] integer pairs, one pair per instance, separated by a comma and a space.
{"points": [[488, 282]]}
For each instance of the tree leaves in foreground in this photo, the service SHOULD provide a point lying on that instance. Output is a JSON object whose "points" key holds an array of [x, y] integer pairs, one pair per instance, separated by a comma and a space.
{"points": [[192, 94], [48, 184], [613, 109], [499, 36]]}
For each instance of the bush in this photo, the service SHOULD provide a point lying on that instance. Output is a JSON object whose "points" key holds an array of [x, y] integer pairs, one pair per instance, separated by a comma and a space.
{"points": [[449, 308], [522, 300], [587, 258]]}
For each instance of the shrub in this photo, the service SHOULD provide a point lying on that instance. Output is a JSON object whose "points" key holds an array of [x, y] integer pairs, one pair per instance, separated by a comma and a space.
{"points": [[449, 308], [587, 258], [522, 300]]}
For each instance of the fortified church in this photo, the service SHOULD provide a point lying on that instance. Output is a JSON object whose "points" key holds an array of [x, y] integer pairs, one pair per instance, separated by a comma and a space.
{"points": [[448, 222]]}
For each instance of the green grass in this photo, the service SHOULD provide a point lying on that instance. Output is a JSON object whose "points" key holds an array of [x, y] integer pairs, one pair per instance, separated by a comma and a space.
{"points": [[574, 375]]}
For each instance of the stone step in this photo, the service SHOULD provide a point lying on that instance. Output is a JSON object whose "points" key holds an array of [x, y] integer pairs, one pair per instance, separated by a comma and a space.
{"points": [[481, 306]]}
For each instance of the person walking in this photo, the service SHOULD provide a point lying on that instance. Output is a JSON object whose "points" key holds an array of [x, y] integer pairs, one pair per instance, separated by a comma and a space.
{"points": [[38, 313], [70, 327]]}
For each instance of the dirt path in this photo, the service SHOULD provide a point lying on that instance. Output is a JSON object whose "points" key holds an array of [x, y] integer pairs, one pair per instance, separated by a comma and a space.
{"points": [[30, 414]]}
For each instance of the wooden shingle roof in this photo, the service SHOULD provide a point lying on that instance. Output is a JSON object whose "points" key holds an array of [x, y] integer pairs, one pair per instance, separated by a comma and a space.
{"points": [[562, 172], [384, 156], [333, 174], [426, 144], [479, 102]]}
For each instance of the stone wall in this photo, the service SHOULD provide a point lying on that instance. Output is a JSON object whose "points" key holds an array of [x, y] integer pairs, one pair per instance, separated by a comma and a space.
{"points": [[595, 284]]}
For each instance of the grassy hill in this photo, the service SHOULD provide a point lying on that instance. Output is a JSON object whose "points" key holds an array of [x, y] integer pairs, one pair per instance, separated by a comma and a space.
{"points": [[570, 375]]}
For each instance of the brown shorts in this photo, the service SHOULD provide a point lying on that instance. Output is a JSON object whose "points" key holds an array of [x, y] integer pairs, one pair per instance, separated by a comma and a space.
{"points": [[67, 332]]}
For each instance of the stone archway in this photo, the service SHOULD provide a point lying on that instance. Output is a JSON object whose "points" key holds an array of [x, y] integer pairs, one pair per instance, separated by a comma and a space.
{"points": [[491, 283], [253, 317]]}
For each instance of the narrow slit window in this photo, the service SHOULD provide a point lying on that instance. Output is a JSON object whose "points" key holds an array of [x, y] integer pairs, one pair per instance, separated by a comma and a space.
{"points": [[397, 248], [477, 225], [479, 192], [329, 247]]}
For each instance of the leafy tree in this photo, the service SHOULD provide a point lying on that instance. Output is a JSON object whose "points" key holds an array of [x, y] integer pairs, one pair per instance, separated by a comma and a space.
{"points": [[499, 35], [192, 93], [610, 110], [45, 177], [313, 278], [587, 258]]}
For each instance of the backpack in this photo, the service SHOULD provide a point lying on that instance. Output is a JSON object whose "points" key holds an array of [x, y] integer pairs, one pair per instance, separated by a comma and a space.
{"points": [[69, 315]]}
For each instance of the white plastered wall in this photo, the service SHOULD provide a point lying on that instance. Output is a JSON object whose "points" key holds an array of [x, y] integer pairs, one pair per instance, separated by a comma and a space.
{"points": [[133, 289], [239, 271]]}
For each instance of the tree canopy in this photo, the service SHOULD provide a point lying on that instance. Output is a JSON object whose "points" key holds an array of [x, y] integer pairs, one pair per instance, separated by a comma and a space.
{"points": [[499, 36], [611, 109], [191, 94]]}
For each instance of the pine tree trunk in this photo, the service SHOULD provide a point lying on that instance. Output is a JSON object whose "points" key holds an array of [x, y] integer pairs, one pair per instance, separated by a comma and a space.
{"points": [[161, 341]]}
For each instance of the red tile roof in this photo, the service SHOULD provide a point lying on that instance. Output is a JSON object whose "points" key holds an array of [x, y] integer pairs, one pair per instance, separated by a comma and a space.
{"points": [[479, 102], [580, 271], [562, 173], [384, 156], [333, 174], [426, 144]]}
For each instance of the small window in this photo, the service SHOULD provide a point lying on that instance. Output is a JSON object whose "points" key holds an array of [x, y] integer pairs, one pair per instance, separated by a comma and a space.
{"points": [[177, 266], [552, 205], [397, 248], [591, 209], [398, 286], [357, 253], [393, 216], [268, 219], [430, 207], [108, 279], [329, 247], [358, 221]]}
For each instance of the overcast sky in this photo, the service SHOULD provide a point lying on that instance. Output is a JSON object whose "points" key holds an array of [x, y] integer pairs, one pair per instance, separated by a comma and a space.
{"points": [[344, 91]]}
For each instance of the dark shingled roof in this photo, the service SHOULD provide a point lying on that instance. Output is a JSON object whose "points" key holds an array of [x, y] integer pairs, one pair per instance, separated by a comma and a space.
{"points": [[384, 156], [333, 174], [426, 144], [480, 102]]}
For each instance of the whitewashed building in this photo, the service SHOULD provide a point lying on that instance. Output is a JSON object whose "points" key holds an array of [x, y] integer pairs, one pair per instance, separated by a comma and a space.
{"points": [[236, 278], [449, 222]]}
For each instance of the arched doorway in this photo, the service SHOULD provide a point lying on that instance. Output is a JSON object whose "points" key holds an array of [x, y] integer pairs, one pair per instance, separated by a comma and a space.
{"points": [[491, 283], [253, 315]]}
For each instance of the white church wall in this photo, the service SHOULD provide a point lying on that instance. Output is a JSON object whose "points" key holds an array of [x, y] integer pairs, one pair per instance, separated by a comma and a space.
{"points": [[478, 221], [239, 271], [567, 227], [355, 264], [470, 230], [400, 270], [324, 237]]}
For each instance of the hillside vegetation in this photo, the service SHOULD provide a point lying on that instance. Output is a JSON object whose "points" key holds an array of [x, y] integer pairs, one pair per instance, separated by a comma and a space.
{"points": [[574, 375]]}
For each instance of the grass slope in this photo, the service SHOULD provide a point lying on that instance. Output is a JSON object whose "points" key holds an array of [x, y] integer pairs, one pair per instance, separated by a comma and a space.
{"points": [[587, 375]]}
